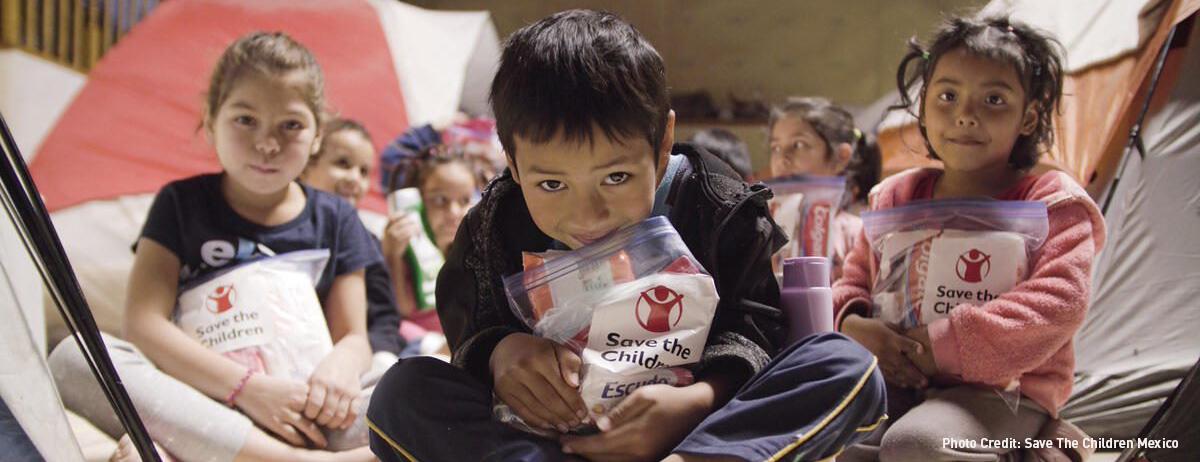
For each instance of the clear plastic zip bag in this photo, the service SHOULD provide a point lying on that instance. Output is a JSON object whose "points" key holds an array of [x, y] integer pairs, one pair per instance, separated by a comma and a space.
{"points": [[806, 207], [635, 306], [936, 255]]}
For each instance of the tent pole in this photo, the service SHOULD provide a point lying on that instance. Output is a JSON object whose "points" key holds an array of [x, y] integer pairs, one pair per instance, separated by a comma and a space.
{"points": [[29, 216], [1135, 133]]}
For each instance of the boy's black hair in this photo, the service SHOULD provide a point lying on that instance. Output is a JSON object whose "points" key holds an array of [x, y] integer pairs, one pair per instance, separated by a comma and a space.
{"points": [[575, 70], [1032, 53], [726, 146]]}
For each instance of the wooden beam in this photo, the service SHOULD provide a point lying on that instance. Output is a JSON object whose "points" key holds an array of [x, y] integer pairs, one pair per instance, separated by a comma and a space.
{"points": [[48, 36], [64, 32], [94, 35], [30, 35], [10, 22], [77, 35]]}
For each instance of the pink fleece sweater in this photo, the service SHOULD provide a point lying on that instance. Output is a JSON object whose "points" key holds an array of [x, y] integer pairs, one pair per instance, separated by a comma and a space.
{"points": [[1027, 333]]}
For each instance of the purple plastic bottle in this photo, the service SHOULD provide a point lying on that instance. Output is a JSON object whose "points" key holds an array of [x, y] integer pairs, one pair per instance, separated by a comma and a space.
{"points": [[806, 297]]}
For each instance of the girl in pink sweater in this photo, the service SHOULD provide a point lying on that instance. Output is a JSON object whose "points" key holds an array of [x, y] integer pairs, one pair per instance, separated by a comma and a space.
{"points": [[989, 88]]}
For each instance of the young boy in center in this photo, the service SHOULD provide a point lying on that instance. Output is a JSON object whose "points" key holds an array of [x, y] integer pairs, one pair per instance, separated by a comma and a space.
{"points": [[582, 110]]}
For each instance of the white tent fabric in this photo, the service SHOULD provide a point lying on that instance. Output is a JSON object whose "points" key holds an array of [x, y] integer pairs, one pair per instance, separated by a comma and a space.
{"points": [[1140, 336], [1093, 31], [25, 383], [445, 59], [38, 91]]}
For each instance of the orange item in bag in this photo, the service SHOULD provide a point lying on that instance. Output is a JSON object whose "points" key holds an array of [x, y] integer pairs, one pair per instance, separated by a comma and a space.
{"points": [[616, 269]]}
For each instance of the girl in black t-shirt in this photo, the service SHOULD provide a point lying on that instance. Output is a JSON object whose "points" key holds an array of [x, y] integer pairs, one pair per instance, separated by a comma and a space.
{"points": [[263, 114]]}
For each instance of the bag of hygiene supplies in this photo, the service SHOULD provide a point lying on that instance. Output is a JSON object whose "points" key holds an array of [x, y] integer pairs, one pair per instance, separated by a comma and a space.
{"points": [[934, 255], [806, 207], [635, 306], [264, 314]]}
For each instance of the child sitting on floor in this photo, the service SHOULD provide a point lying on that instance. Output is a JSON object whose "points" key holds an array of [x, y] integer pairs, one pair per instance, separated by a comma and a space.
{"points": [[989, 90], [263, 114], [582, 110]]}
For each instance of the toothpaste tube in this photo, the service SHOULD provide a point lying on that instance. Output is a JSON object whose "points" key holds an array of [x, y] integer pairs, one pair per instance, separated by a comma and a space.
{"points": [[423, 256], [805, 207], [815, 229]]}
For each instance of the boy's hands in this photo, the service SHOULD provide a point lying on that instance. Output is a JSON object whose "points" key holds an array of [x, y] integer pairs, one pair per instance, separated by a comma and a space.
{"points": [[891, 347], [539, 380], [646, 425], [333, 390], [276, 404]]}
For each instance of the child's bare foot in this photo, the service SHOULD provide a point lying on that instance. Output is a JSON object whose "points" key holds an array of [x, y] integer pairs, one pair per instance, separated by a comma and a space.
{"points": [[126, 452]]}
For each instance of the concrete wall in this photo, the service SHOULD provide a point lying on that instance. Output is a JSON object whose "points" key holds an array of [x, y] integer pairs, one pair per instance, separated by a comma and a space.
{"points": [[845, 49]]}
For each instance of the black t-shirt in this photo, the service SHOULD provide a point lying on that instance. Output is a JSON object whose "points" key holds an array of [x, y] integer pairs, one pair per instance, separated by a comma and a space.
{"points": [[383, 320], [191, 219]]}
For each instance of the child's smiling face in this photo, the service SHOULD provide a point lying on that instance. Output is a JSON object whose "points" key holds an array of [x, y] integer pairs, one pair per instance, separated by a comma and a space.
{"points": [[973, 110], [343, 166], [579, 192]]}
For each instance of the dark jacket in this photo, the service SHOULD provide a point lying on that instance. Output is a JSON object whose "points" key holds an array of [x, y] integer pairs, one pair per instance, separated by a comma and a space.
{"points": [[724, 222]]}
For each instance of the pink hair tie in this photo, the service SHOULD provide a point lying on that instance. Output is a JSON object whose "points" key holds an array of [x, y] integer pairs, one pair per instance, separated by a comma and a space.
{"points": [[237, 390]]}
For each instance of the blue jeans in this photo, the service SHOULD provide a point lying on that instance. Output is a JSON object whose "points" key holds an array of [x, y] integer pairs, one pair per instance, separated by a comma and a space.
{"points": [[816, 398]]}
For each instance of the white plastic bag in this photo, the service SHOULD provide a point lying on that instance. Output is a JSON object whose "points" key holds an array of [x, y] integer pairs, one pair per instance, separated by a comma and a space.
{"points": [[263, 314]]}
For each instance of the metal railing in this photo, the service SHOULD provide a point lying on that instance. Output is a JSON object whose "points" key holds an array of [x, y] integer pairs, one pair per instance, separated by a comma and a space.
{"points": [[74, 33]]}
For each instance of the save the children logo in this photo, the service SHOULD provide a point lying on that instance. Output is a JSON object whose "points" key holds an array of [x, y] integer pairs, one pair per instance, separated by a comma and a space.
{"points": [[973, 265], [221, 299], [654, 307]]}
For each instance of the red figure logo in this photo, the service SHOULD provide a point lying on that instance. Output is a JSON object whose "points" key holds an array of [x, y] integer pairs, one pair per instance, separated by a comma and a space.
{"points": [[221, 299], [973, 265], [658, 302]]}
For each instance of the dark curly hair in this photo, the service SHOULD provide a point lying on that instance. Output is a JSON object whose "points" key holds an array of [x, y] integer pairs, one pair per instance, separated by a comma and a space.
{"points": [[1033, 54]]}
